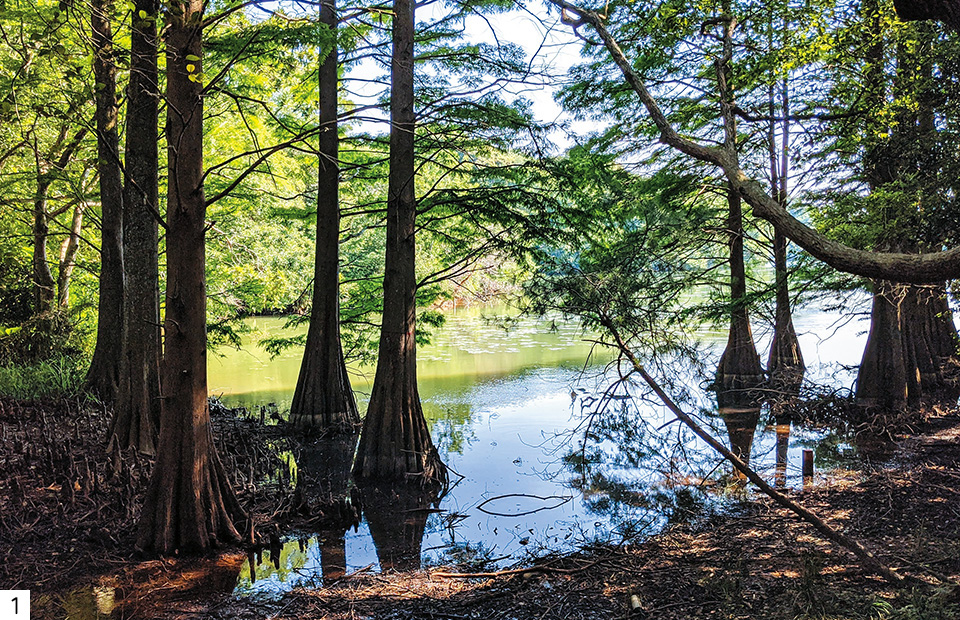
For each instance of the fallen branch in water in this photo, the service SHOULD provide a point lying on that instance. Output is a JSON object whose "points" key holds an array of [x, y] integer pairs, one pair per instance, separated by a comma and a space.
{"points": [[537, 568], [868, 559], [563, 500]]}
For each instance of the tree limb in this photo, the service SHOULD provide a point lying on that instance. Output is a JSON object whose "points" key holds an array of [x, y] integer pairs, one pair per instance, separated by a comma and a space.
{"points": [[898, 267]]}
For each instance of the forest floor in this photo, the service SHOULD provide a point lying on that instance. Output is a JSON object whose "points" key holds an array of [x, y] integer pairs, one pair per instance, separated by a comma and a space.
{"points": [[67, 533]]}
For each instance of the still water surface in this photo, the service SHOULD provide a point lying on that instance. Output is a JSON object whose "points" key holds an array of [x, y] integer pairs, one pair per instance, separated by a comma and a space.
{"points": [[508, 412]]}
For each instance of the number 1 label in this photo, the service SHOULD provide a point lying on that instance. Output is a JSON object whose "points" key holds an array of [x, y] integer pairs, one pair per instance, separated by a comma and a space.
{"points": [[14, 604]]}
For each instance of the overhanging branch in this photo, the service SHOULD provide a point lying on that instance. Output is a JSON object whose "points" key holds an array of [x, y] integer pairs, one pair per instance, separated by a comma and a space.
{"points": [[898, 267]]}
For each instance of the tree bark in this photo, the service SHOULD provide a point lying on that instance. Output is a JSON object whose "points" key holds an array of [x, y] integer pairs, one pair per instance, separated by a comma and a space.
{"points": [[395, 442], [68, 255], [785, 365], [739, 373], [103, 376], [882, 378], [323, 400], [136, 413], [190, 505], [908, 355], [44, 286], [921, 341], [946, 11]]}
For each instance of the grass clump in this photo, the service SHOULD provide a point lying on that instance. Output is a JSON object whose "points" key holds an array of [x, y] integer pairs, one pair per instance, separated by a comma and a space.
{"points": [[938, 604], [61, 375]]}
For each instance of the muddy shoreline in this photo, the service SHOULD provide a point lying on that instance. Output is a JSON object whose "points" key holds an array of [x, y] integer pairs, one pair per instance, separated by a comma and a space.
{"points": [[67, 530]]}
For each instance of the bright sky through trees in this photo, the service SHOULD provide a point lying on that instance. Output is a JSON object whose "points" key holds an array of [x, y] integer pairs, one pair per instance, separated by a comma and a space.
{"points": [[550, 48]]}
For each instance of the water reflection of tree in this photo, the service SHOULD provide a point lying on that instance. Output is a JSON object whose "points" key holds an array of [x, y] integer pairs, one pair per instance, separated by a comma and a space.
{"points": [[397, 516], [741, 425], [323, 478], [638, 470], [782, 427], [635, 466], [451, 426]]}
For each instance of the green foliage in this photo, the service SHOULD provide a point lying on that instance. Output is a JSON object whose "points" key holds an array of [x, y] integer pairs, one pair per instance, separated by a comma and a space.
{"points": [[633, 265], [896, 155], [15, 290], [41, 337], [60, 375], [916, 604]]}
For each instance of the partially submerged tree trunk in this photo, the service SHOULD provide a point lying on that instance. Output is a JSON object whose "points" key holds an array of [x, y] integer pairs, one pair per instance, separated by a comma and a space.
{"points": [[739, 373], [190, 505], [136, 412], [395, 442], [785, 363], [323, 400], [103, 376], [785, 366]]}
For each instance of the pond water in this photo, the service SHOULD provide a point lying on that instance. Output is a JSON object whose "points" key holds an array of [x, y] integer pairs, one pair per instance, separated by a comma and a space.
{"points": [[509, 412]]}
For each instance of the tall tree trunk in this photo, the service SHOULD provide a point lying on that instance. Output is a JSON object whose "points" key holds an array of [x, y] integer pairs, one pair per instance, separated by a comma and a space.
{"points": [[395, 442], [136, 413], [739, 373], [883, 374], [925, 337], [324, 400], [44, 286], [190, 505], [103, 376], [68, 255], [785, 363]]}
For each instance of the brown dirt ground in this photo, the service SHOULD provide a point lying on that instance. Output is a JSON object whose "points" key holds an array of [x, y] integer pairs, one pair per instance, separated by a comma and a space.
{"points": [[759, 563]]}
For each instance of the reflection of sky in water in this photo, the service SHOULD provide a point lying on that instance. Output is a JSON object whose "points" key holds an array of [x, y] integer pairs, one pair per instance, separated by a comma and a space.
{"points": [[501, 411]]}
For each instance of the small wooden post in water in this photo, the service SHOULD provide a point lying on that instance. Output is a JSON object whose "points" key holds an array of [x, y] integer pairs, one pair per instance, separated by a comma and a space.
{"points": [[807, 467]]}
